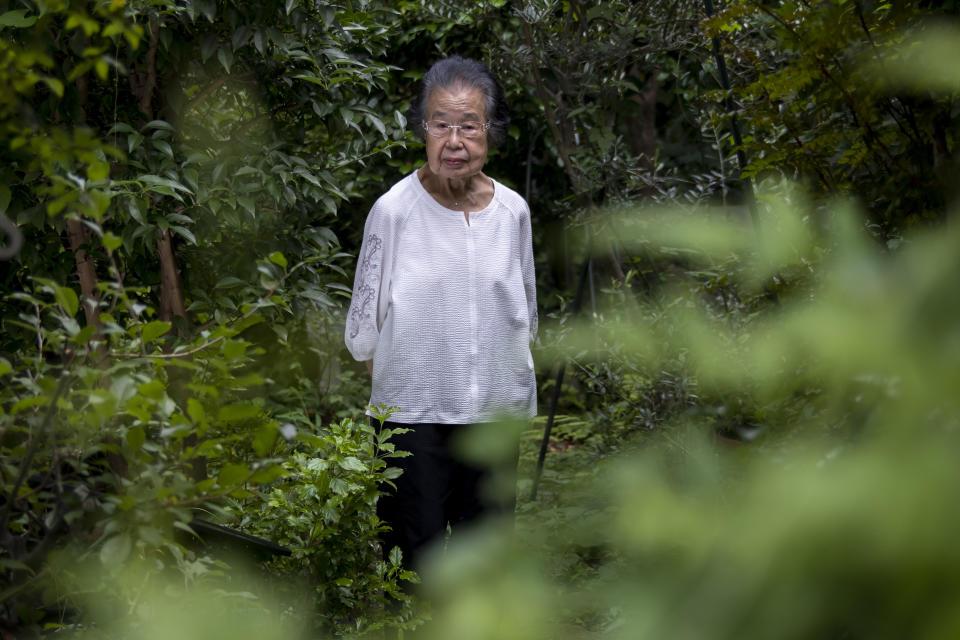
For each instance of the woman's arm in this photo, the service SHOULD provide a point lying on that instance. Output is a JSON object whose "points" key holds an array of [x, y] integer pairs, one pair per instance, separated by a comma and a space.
{"points": [[362, 331], [527, 269]]}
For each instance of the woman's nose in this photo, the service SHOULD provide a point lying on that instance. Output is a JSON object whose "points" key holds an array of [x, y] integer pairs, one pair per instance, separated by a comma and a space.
{"points": [[453, 138]]}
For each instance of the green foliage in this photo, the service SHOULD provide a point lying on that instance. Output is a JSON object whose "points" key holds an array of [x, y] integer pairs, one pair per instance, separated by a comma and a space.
{"points": [[107, 452], [178, 162], [582, 80], [758, 419], [833, 520], [324, 511], [816, 103], [205, 601]]}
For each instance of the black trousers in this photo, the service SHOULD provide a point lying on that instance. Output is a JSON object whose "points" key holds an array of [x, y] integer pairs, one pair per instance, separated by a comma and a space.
{"points": [[436, 488]]}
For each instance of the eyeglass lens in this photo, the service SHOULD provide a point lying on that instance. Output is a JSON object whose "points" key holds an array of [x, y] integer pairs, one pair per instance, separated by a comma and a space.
{"points": [[441, 129]]}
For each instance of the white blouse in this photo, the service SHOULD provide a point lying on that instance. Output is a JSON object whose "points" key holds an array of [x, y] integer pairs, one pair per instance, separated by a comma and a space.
{"points": [[447, 310]]}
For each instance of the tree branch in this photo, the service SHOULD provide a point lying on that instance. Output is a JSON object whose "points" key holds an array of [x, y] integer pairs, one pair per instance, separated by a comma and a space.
{"points": [[205, 93], [146, 97], [28, 458], [210, 343], [243, 127], [171, 292], [79, 237], [211, 88]]}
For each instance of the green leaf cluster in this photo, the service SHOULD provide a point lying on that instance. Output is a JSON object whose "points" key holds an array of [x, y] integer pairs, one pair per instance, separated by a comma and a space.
{"points": [[816, 98], [323, 510], [176, 169]]}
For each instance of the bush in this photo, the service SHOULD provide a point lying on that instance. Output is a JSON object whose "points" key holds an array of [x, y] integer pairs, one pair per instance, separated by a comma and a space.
{"points": [[324, 511]]}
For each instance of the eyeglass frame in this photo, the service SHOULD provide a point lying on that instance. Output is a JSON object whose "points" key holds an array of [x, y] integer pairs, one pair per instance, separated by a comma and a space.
{"points": [[484, 127]]}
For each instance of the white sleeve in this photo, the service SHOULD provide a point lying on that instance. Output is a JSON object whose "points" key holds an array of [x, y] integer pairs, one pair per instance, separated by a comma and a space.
{"points": [[526, 266], [370, 288]]}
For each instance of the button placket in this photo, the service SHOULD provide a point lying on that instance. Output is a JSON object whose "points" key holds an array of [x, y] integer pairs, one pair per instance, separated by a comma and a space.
{"points": [[472, 298]]}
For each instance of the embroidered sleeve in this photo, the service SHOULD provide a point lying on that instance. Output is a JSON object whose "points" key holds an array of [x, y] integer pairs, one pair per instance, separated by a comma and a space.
{"points": [[362, 331], [364, 305]]}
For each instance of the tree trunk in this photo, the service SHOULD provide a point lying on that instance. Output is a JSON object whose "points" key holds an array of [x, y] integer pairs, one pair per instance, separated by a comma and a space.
{"points": [[171, 291], [79, 237], [940, 124], [150, 82], [642, 122]]}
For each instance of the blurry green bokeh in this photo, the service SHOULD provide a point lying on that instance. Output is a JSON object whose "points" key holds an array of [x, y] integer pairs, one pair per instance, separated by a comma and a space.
{"points": [[839, 521]]}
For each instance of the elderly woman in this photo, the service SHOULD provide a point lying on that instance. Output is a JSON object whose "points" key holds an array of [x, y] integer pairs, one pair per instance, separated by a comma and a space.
{"points": [[444, 303]]}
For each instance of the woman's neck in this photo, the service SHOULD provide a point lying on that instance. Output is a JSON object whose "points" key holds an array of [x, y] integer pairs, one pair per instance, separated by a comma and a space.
{"points": [[453, 190]]}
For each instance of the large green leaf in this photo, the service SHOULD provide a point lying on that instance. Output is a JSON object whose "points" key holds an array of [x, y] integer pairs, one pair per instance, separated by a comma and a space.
{"points": [[116, 550], [233, 474], [17, 18], [153, 330]]}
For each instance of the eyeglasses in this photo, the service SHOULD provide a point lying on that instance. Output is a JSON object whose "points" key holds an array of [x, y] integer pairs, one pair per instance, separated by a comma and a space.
{"points": [[441, 129]]}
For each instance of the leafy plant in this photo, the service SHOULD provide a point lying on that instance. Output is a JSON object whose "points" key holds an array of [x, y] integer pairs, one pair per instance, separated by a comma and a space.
{"points": [[171, 167], [324, 511], [816, 103]]}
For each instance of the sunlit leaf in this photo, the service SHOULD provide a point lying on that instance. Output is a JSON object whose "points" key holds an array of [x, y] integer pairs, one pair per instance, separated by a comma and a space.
{"points": [[264, 440], [238, 412], [154, 329], [232, 474], [111, 241], [116, 550], [136, 437], [225, 56]]}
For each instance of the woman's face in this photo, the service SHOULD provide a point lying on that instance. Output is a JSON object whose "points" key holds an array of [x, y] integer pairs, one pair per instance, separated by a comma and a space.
{"points": [[456, 156]]}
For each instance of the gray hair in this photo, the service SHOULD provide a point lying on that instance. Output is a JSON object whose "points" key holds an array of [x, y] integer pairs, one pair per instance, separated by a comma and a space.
{"points": [[463, 72]]}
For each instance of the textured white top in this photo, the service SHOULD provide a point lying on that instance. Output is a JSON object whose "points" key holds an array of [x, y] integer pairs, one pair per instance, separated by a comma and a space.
{"points": [[447, 310]]}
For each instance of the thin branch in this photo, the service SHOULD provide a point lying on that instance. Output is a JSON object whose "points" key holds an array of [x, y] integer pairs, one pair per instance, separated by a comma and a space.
{"points": [[553, 123], [211, 88], [170, 356], [205, 93], [31, 452], [36, 310], [243, 127], [871, 135], [863, 23], [39, 553], [210, 343], [13, 590]]}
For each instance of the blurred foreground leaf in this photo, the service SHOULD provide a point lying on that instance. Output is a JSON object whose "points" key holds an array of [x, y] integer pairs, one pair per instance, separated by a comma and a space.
{"points": [[837, 521]]}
